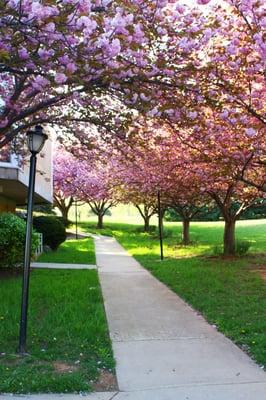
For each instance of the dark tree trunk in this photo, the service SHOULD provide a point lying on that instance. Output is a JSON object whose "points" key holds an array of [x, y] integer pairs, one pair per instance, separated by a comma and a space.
{"points": [[229, 238], [185, 236], [146, 224], [64, 212], [100, 221], [64, 206]]}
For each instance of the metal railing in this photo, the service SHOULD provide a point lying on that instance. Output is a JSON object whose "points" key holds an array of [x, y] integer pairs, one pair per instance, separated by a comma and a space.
{"points": [[39, 249]]}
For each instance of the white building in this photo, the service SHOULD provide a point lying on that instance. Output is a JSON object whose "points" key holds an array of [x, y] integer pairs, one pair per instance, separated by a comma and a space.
{"points": [[14, 179]]}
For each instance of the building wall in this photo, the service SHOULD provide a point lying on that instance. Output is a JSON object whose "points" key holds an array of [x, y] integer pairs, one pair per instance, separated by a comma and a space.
{"points": [[7, 205], [14, 177], [44, 173]]}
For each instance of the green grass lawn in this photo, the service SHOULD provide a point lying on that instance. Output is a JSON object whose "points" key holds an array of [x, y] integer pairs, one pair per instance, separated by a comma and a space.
{"points": [[226, 291], [68, 340], [72, 252]]}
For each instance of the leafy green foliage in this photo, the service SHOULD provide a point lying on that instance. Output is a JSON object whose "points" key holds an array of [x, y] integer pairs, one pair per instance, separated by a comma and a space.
{"points": [[65, 222], [257, 211], [54, 232], [167, 232], [152, 229], [212, 212], [206, 213], [242, 247], [12, 240]]}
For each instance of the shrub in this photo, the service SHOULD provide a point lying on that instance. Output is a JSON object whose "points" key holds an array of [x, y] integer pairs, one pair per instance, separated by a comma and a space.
{"points": [[12, 240], [167, 233], [65, 222], [152, 229], [54, 232], [217, 250], [242, 247]]}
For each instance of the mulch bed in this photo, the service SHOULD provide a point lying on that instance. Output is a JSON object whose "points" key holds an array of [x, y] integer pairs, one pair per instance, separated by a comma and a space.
{"points": [[71, 235], [106, 382], [7, 273]]}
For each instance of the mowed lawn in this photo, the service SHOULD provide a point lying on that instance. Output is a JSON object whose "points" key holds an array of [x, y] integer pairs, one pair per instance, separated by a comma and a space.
{"points": [[72, 252], [228, 292], [68, 339]]}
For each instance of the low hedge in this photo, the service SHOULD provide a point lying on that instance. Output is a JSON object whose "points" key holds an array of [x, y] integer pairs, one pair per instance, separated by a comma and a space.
{"points": [[53, 230], [12, 240]]}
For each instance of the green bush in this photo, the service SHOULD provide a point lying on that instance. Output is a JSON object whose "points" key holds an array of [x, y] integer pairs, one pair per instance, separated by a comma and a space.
{"points": [[242, 247], [167, 232], [217, 250], [152, 229], [54, 232], [12, 240], [66, 223]]}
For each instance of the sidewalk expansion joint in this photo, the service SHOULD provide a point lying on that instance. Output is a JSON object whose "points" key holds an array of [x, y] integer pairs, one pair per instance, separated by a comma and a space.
{"points": [[157, 339], [122, 272], [113, 396], [193, 384]]}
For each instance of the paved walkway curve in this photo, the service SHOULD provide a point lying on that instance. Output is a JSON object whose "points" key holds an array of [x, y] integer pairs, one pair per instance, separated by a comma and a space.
{"points": [[163, 348]]}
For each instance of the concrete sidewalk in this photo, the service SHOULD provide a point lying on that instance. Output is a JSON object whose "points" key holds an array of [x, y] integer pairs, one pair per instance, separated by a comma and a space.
{"points": [[163, 348], [53, 265], [92, 396]]}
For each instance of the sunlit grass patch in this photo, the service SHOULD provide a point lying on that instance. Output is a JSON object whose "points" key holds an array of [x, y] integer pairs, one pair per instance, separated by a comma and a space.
{"points": [[72, 252], [68, 338]]}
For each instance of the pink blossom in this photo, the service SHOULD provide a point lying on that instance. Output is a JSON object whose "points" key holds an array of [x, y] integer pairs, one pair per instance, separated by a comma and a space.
{"points": [[60, 78], [71, 67], [192, 115], [40, 82], [3, 122], [115, 48], [23, 53], [203, 1], [250, 132]]}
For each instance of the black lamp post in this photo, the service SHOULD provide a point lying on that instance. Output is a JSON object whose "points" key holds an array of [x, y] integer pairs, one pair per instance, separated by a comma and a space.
{"points": [[36, 139], [76, 217], [160, 220]]}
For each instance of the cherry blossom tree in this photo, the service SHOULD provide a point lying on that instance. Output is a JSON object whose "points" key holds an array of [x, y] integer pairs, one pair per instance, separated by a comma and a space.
{"points": [[186, 199], [233, 77], [205, 158], [219, 152], [141, 171], [85, 179], [67, 179], [90, 61], [97, 190]]}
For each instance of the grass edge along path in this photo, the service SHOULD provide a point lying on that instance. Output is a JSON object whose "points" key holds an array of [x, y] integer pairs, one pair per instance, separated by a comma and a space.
{"points": [[227, 293], [72, 251], [68, 338]]}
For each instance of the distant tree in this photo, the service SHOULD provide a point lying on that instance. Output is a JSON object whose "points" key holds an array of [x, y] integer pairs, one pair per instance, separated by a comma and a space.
{"points": [[96, 189]]}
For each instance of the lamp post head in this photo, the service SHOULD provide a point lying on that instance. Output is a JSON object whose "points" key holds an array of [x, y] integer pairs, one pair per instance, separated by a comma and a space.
{"points": [[36, 139]]}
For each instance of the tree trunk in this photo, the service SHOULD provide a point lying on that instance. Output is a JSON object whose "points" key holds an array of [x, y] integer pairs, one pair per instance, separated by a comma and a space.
{"points": [[185, 236], [100, 221], [64, 212], [146, 224], [229, 238]]}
